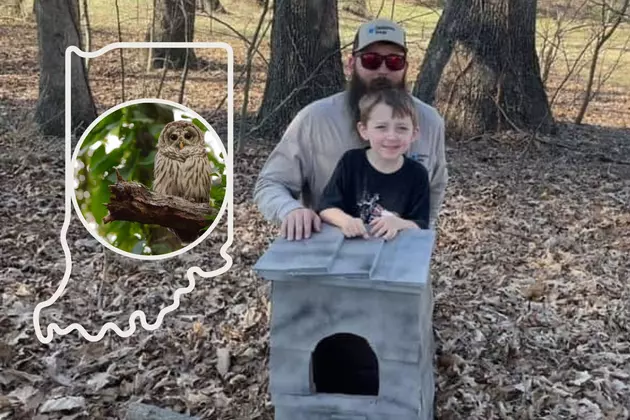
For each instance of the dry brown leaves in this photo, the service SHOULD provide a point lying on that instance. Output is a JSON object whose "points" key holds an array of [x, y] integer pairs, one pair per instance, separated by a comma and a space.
{"points": [[531, 280], [530, 275]]}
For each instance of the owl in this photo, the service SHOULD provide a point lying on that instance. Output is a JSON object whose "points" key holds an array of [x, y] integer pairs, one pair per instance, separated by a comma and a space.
{"points": [[182, 167]]}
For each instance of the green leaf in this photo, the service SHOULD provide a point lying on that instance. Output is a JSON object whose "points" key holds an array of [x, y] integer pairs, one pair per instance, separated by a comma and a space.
{"points": [[138, 247], [98, 198], [97, 156], [148, 160], [130, 138], [102, 128], [112, 178], [155, 129], [130, 165], [199, 124], [114, 129], [217, 193], [138, 116], [220, 167], [108, 162], [122, 236]]}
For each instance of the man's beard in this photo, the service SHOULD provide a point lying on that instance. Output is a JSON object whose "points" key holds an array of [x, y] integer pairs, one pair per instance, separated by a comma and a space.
{"points": [[357, 88]]}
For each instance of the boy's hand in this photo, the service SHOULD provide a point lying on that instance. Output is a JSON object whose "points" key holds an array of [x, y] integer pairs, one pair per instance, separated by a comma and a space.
{"points": [[353, 226], [387, 226]]}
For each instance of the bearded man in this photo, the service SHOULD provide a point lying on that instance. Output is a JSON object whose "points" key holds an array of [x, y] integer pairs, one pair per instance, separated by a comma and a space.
{"points": [[301, 164]]}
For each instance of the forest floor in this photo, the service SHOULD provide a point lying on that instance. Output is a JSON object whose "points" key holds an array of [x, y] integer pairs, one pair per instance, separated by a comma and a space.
{"points": [[530, 275]]}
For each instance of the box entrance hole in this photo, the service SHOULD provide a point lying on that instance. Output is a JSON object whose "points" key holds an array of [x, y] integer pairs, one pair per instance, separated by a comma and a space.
{"points": [[344, 363]]}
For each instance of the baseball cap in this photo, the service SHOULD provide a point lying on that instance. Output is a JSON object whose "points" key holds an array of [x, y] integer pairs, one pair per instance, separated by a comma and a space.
{"points": [[379, 30]]}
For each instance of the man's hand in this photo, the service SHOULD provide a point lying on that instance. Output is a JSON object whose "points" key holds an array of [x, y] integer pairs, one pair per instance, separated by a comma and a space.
{"points": [[299, 224]]}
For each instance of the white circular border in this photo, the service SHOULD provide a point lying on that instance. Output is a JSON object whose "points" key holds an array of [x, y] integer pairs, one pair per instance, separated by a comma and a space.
{"points": [[96, 236]]}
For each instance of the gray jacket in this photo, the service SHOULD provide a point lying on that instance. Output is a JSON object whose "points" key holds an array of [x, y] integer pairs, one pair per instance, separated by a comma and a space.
{"points": [[299, 167]]}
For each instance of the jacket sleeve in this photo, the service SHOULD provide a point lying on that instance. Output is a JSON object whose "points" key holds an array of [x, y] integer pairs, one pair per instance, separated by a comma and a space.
{"points": [[283, 176], [439, 175]]}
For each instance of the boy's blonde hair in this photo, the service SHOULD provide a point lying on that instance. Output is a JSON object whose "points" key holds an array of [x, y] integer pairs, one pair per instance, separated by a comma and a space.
{"points": [[399, 99]]}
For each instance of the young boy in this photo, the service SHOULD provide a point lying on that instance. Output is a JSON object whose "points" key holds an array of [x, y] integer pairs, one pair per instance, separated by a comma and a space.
{"points": [[379, 186]]}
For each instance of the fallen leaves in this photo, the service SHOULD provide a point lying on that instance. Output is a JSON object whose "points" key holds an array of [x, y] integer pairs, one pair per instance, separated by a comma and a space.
{"points": [[509, 239], [62, 404], [537, 291], [99, 381], [223, 361], [581, 378]]}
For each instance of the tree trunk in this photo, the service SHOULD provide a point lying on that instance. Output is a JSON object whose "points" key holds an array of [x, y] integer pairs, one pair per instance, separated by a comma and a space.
{"points": [[305, 62], [357, 7], [57, 29], [481, 69], [174, 22]]}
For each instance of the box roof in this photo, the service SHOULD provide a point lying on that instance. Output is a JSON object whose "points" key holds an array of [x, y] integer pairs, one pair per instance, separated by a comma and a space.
{"points": [[331, 258]]}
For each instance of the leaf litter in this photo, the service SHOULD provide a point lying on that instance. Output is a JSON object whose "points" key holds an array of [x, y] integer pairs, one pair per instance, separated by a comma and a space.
{"points": [[530, 277]]}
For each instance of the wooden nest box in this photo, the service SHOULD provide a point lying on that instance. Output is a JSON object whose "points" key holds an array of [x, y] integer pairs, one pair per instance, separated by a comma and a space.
{"points": [[351, 327]]}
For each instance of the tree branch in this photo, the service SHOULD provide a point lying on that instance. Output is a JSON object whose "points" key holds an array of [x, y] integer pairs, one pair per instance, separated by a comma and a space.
{"points": [[240, 76], [250, 57], [88, 34], [238, 35], [184, 76], [122, 59], [133, 202]]}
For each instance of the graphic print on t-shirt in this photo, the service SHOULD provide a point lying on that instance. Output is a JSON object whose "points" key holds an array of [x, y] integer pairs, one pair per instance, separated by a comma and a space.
{"points": [[369, 208]]}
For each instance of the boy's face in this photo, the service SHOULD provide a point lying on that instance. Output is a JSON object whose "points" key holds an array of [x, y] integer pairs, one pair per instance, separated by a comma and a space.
{"points": [[388, 136]]}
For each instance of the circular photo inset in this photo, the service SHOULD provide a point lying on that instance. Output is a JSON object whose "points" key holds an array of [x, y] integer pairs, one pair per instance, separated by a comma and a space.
{"points": [[150, 179]]}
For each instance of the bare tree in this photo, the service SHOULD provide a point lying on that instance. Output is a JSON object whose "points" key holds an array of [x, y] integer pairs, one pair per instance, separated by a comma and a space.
{"points": [[564, 18], [611, 15], [250, 57], [305, 62], [57, 29], [173, 21], [481, 69]]}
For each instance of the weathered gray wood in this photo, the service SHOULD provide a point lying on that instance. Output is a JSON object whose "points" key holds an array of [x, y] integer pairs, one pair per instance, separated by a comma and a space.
{"points": [[140, 411], [405, 260], [377, 290], [328, 256], [302, 257]]}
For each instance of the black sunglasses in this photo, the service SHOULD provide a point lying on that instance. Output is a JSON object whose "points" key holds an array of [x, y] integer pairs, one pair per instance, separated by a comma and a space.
{"points": [[372, 61]]}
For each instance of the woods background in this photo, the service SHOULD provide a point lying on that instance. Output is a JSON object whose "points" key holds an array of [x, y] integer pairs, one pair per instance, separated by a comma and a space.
{"points": [[531, 270]]}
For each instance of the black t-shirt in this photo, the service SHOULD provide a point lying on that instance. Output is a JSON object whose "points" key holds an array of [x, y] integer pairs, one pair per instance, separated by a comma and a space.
{"points": [[358, 189]]}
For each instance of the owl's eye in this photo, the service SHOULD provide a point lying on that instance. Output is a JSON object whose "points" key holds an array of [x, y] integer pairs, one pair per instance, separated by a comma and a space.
{"points": [[173, 137], [187, 136]]}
